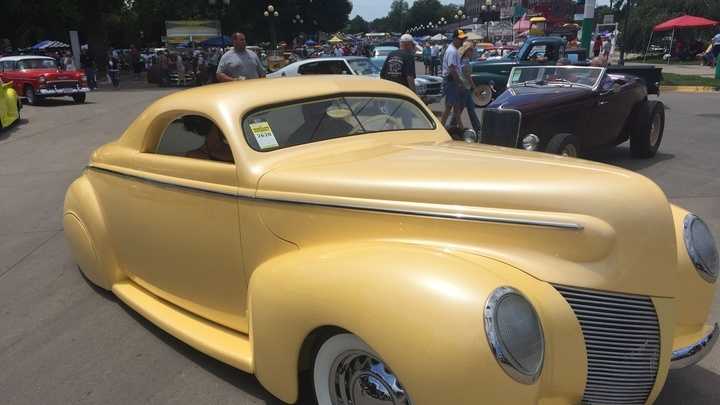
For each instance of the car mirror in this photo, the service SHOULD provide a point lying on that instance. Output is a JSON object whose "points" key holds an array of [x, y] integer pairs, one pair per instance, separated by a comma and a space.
{"points": [[470, 136]]}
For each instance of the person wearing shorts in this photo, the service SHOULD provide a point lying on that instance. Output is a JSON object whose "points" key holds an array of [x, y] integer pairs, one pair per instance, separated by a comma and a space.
{"points": [[455, 92]]}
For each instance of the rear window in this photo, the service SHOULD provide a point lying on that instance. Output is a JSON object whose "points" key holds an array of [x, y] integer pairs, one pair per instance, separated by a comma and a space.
{"points": [[319, 120]]}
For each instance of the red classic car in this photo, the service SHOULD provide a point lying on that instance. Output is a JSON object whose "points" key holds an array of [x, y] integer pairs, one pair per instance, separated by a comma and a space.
{"points": [[37, 77]]}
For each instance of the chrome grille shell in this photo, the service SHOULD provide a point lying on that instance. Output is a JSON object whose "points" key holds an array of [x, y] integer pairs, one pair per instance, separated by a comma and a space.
{"points": [[622, 340]]}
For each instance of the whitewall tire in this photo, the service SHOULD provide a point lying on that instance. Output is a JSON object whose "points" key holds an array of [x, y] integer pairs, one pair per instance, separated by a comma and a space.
{"points": [[347, 371]]}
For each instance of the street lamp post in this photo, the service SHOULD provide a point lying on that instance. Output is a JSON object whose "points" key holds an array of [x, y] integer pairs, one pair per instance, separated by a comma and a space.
{"points": [[488, 12], [297, 19], [271, 14]]}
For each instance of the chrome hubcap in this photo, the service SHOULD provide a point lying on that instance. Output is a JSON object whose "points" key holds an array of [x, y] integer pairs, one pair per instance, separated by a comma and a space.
{"points": [[358, 378], [482, 95], [655, 130], [569, 150]]}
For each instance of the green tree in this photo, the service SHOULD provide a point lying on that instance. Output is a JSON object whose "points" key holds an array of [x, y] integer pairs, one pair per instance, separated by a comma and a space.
{"points": [[357, 24], [398, 15], [645, 14]]}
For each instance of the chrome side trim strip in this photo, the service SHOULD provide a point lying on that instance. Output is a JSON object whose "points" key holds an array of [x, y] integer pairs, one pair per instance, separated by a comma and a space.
{"points": [[160, 183], [687, 356], [443, 215]]}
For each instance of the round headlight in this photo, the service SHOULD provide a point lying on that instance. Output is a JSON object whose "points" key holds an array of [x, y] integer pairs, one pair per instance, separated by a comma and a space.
{"points": [[701, 247], [515, 335], [530, 142]]}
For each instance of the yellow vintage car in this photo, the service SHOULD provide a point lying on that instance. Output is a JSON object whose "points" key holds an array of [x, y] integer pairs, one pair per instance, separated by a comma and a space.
{"points": [[328, 236], [10, 105]]}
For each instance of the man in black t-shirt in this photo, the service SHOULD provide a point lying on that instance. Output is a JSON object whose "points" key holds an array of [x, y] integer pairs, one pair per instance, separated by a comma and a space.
{"points": [[399, 66]]}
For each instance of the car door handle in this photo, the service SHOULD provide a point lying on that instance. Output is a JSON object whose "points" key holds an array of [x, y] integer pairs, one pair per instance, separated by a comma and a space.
{"points": [[601, 103]]}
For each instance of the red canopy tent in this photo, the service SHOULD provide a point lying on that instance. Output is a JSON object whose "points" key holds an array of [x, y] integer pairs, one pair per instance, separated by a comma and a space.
{"points": [[686, 21], [679, 23]]}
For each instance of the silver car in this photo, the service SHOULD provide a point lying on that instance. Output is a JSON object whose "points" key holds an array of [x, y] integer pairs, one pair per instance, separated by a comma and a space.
{"points": [[428, 88]]}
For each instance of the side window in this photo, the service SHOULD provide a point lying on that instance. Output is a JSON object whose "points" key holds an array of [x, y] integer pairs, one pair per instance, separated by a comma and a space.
{"points": [[8, 66], [194, 137], [333, 67], [308, 69]]}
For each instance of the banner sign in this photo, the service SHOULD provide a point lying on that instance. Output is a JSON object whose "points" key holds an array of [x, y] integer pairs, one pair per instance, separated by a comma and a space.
{"points": [[183, 31]]}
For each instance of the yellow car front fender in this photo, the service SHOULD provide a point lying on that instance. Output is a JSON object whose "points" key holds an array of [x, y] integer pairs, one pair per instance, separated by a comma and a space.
{"points": [[419, 307]]}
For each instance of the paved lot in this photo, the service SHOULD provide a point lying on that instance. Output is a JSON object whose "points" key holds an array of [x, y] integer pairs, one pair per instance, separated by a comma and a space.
{"points": [[63, 341]]}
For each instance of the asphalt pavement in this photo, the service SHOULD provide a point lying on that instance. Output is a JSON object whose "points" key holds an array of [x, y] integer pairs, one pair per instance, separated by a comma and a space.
{"points": [[62, 341]]}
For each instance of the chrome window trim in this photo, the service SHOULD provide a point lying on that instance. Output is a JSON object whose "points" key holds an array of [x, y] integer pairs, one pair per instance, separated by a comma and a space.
{"points": [[498, 349], [594, 87], [573, 226], [689, 355]]}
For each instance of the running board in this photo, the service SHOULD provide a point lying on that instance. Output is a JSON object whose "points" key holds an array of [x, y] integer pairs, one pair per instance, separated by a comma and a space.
{"points": [[216, 341]]}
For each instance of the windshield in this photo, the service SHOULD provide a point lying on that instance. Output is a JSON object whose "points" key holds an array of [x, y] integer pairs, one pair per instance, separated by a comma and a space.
{"points": [[338, 117], [363, 67], [28, 64], [384, 51], [555, 76]]}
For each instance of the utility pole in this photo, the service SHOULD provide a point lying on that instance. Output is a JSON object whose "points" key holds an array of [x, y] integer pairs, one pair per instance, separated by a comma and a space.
{"points": [[588, 23]]}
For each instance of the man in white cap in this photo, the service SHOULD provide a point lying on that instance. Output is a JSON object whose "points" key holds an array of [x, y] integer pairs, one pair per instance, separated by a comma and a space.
{"points": [[399, 66]]}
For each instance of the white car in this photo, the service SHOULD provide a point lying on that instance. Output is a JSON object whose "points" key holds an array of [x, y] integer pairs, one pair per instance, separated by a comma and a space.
{"points": [[429, 88]]}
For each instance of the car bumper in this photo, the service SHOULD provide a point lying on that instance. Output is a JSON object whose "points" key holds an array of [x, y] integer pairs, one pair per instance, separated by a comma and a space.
{"points": [[62, 92], [431, 98], [688, 355]]}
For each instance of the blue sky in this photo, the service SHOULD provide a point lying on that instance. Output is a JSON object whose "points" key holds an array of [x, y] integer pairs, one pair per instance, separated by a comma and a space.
{"points": [[372, 9]]}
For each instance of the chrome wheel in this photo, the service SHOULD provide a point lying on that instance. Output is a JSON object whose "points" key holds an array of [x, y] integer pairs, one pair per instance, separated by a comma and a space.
{"points": [[358, 378], [348, 372], [482, 95], [655, 126], [570, 150]]}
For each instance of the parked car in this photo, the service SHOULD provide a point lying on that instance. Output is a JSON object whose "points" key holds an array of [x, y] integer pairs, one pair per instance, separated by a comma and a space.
{"points": [[380, 53], [329, 230], [571, 110], [10, 105], [492, 76], [429, 88], [39, 77]]}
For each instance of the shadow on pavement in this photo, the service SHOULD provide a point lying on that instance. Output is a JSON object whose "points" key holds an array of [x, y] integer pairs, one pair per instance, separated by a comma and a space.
{"points": [[691, 386], [620, 156], [239, 379], [55, 102], [9, 131]]}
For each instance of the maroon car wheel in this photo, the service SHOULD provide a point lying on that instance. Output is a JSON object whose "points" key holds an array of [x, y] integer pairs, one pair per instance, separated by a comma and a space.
{"points": [[648, 130]]}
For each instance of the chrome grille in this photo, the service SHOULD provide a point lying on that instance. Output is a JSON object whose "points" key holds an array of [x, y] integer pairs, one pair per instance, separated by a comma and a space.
{"points": [[63, 85], [434, 89], [500, 127], [622, 339]]}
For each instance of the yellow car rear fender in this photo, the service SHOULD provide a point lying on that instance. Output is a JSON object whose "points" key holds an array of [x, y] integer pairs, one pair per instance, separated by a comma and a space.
{"points": [[87, 235], [420, 308]]}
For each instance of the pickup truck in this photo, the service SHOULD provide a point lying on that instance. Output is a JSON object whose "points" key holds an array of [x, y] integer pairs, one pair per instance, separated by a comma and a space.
{"points": [[491, 76]]}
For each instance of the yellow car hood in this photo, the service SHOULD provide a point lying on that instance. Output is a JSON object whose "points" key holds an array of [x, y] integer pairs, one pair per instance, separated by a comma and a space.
{"points": [[627, 240]]}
